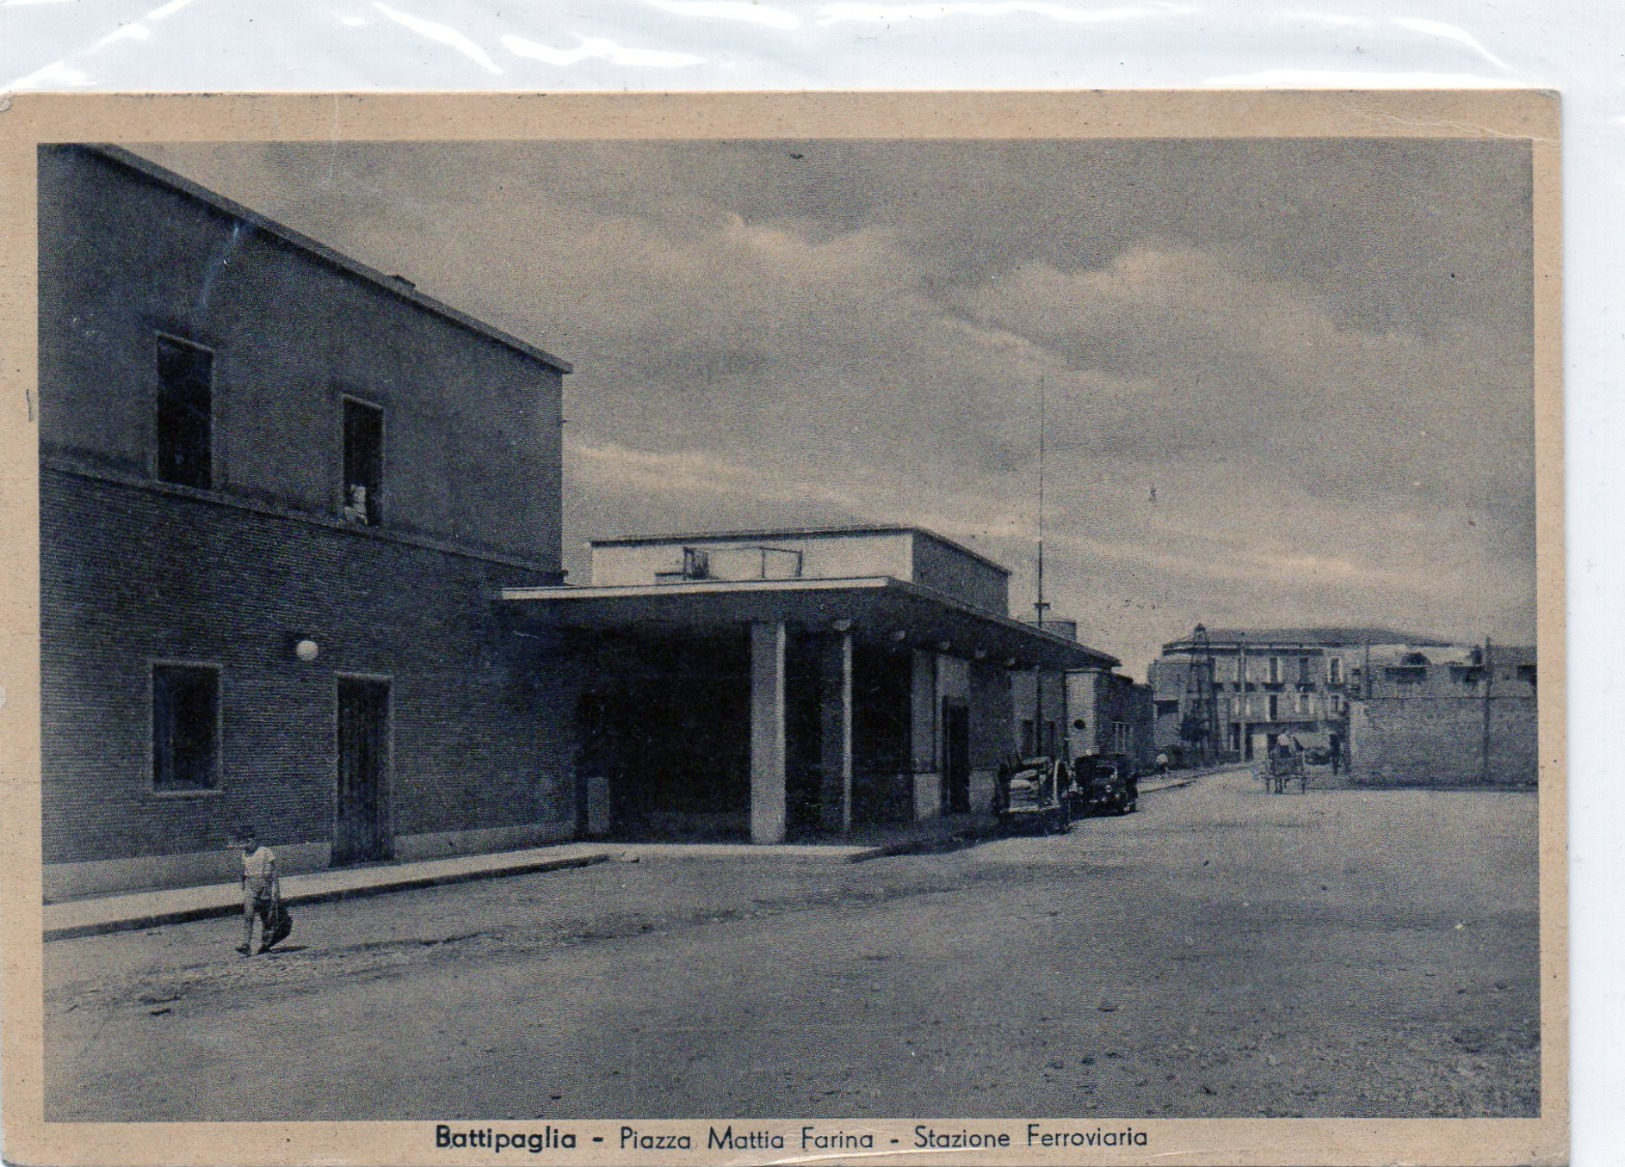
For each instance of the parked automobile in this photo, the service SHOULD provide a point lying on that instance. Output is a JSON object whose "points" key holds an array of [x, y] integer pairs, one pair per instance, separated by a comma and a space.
{"points": [[1034, 794], [1105, 784]]}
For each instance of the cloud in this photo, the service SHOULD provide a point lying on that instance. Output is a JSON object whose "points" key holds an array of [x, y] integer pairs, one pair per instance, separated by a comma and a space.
{"points": [[1318, 354]]}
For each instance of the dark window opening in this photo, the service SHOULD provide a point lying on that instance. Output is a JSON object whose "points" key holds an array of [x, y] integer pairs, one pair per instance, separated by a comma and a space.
{"points": [[185, 413], [185, 728], [363, 463]]}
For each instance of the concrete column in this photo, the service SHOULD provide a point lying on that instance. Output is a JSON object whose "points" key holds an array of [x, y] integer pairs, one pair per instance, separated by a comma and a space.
{"points": [[835, 730], [767, 752], [925, 748]]}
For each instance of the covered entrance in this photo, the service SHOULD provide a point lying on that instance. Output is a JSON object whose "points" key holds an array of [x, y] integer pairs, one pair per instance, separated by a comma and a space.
{"points": [[775, 710]]}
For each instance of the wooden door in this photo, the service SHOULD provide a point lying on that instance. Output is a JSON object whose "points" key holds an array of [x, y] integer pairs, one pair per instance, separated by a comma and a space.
{"points": [[361, 830]]}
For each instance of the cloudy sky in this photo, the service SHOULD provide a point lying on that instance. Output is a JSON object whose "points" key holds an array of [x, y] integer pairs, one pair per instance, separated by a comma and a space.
{"points": [[1285, 382]]}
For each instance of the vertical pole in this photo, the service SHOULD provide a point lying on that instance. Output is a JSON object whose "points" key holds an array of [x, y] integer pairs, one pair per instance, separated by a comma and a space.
{"points": [[1489, 680], [924, 746], [767, 749]]}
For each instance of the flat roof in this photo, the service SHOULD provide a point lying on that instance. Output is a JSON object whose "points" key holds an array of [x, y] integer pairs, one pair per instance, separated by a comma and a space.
{"points": [[877, 607], [396, 286], [1330, 637], [800, 533]]}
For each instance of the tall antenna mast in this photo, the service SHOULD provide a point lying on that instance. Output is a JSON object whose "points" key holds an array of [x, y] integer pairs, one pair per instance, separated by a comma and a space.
{"points": [[1040, 745], [1040, 605]]}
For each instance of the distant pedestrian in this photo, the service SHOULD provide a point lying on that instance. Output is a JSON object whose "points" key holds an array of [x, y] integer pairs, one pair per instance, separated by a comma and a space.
{"points": [[1162, 763], [262, 893]]}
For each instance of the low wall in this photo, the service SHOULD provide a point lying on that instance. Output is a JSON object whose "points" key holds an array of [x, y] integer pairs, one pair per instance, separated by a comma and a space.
{"points": [[1440, 740]]}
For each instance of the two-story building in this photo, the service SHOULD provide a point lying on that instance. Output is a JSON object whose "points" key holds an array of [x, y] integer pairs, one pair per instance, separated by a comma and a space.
{"points": [[278, 491], [301, 569]]}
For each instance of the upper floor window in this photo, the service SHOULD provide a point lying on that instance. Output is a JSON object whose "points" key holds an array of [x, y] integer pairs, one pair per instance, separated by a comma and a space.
{"points": [[185, 413], [363, 463], [185, 727], [1275, 670], [1304, 676], [1334, 670]]}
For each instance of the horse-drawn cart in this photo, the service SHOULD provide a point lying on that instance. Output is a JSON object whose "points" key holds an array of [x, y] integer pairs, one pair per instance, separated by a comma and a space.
{"points": [[1283, 766]]}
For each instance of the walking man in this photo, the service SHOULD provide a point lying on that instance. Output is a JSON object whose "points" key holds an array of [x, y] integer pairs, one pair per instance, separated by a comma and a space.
{"points": [[260, 889]]}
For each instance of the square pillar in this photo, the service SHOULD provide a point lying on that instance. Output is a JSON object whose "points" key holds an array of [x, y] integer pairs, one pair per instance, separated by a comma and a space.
{"points": [[924, 748], [767, 750], [835, 731]]}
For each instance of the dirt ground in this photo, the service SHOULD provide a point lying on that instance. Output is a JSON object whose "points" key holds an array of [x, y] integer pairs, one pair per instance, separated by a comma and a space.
{"points": [[1223, 952]]}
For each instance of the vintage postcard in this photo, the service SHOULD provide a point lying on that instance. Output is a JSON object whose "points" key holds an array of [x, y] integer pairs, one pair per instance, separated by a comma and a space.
{"points": [[976, 628]]}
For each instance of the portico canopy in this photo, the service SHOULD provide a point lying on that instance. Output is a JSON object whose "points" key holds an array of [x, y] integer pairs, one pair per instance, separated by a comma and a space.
{"points": [[871, 608]]}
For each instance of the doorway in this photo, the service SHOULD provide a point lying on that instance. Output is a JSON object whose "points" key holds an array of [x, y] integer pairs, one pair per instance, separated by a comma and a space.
{"points": [[361, 832]]}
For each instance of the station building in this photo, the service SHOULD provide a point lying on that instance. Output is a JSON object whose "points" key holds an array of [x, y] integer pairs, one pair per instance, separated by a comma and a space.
{"points": [[300, 566], [792, 683]]}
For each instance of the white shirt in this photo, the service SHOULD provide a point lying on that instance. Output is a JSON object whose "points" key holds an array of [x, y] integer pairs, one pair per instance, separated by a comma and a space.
{"points": [[260, 864]]}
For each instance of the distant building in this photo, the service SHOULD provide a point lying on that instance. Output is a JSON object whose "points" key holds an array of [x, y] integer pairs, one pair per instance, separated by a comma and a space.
{"points": [[1094, 710], [1235, 692], [1111, 714], [1392, 706]]}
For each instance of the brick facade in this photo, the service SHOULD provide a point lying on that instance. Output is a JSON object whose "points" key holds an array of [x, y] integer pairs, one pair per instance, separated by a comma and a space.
{"points": [[137, 572]]}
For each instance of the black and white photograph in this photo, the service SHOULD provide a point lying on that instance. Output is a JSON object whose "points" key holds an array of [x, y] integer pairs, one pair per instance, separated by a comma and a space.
{"points": [[747, 646]]}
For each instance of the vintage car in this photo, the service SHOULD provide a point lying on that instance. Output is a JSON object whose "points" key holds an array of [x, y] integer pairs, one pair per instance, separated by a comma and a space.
{"points": [[1034, 794], [1105, 784]]}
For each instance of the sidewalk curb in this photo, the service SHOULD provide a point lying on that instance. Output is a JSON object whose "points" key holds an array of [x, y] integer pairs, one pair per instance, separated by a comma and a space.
{"points": [[411, 883]]}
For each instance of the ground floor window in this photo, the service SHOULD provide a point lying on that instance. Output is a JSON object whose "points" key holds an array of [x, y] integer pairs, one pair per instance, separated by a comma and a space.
{"points": [[185, 727]]}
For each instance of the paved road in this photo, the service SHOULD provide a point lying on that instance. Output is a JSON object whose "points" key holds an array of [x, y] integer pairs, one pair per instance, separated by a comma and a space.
{"points": [[1222, 953]]}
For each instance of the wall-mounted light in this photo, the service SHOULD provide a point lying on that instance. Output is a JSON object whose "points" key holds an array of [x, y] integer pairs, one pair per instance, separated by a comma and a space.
{"points": [[306, 649], [1009, 662], [944, 645], [841, 625], [899, 635]]}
